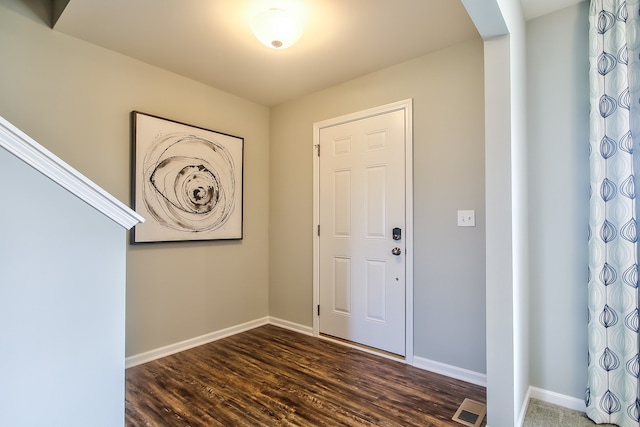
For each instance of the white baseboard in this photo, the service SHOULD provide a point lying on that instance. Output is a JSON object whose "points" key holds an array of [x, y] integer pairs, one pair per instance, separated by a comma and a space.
{"points": [[168, 350], [296, 327], [450, 371], [418, 362], [557, 399], [549, 397], [524, 407]]}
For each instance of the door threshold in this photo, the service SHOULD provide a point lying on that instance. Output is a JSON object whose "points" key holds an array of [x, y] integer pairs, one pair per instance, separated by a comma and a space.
{"points": [[365, 348]]}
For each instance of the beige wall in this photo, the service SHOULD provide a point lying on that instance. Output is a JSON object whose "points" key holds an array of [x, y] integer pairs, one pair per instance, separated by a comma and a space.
{"points": [[449, 288], [75, 99]]}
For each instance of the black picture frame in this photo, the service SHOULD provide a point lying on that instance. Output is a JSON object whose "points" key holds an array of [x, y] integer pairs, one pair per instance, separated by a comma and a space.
{"points": [[187, 181]]}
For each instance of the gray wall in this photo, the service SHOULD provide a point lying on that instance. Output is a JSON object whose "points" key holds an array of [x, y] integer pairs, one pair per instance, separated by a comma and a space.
{"points": [[75, 99], [62, 305], [558, 88], [449, 288]]}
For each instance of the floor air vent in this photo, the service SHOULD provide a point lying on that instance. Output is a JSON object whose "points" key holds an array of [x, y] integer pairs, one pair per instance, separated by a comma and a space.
{"points": [[470, 413]]}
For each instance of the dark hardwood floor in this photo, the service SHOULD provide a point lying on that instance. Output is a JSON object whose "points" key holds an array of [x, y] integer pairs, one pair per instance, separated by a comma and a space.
{"points": [[271, 376]]}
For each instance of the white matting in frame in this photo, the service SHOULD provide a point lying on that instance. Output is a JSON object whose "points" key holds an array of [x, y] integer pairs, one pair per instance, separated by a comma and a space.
{"points": [[187, 181]]}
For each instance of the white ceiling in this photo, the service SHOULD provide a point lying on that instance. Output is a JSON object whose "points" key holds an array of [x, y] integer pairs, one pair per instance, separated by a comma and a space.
{"points": [[210, 40]]}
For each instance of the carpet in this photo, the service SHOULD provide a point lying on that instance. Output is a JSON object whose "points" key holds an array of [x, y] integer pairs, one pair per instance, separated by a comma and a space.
{"points": [[542, 414]]}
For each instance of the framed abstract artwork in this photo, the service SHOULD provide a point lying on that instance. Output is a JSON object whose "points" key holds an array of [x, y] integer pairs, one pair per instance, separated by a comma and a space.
{"points": [[187, 181]]}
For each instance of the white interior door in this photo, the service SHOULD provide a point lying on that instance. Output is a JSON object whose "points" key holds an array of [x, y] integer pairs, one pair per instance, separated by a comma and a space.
{"points": [[362, 269]]}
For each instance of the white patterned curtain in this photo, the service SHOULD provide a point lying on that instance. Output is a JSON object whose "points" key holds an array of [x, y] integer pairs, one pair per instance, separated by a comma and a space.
{"points": [[613, 394]]}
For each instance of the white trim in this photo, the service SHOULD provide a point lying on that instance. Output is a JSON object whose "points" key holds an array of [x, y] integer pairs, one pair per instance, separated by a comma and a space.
{"points": [[295, 327], [418, 362], [408, 194], [450, 371], [557, 399], [315, 322], [168, 350], [372, 351], [35, 155], [407, 106], [524, 407]]}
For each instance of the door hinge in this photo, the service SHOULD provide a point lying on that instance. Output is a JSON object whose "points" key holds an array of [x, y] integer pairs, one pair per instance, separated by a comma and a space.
{"points": [[318, 309], [318, 229], [318, 147]]}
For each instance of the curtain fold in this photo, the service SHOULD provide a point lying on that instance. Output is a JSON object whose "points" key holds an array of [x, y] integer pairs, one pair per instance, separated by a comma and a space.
{"points": [[613, 393]]}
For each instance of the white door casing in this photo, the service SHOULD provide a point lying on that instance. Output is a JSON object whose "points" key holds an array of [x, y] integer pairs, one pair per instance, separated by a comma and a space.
{"points": [[362, 190]]}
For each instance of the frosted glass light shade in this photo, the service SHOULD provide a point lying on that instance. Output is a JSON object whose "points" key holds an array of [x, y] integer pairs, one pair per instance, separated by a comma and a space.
{"points": [[276, 28]]}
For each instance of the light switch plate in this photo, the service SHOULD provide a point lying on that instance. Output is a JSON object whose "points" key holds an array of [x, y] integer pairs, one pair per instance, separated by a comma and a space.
{"points": [[467, 218]]}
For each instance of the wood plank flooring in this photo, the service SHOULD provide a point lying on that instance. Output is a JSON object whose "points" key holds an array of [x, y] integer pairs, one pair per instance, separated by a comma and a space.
{"points": [[271, 376]]}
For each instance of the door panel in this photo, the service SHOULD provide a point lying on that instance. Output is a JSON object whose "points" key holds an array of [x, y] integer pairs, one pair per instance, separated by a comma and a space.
{"points": [[342, 203], [342, 286], [376, 290], [361, 199], [375, 202]]}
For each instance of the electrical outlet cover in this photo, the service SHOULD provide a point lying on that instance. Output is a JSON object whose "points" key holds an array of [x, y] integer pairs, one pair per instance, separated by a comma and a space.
{"points": [[467, 218]]}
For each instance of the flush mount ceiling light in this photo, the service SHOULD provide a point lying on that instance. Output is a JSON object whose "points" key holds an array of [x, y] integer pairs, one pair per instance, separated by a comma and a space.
{"points": [[276, 28]]}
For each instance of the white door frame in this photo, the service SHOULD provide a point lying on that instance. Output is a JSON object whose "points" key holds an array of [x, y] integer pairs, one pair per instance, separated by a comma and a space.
{"points": [[407, 107]]}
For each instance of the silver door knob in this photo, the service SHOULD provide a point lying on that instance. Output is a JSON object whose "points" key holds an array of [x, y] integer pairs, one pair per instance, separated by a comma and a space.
{"points": [[396, 251]]}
